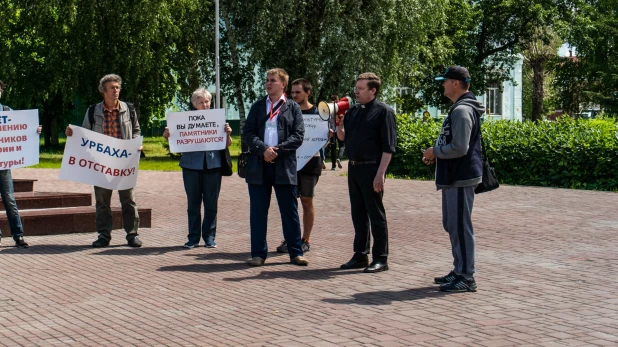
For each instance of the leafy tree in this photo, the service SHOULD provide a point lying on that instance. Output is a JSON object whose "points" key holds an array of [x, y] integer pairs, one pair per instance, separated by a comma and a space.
{"points": [[328, 42], [571, 86], [540, 50], [594, 32], [485, 36], [62, 48], [37, 58]]}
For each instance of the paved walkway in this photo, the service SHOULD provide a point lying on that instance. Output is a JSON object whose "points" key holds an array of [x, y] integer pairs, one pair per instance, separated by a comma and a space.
{"points": [[547, 267]]}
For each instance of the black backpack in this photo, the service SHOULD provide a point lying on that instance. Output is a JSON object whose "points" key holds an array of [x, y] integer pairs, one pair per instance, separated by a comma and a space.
{"points": [[91, 114]]}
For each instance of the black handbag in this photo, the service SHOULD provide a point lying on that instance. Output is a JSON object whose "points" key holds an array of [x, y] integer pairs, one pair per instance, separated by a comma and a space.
{"points": [[226, 162], [490, 180], [243, 158]]}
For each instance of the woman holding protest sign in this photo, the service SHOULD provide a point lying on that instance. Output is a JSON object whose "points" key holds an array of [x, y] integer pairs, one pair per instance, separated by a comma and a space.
{"points": [[201, 174]]}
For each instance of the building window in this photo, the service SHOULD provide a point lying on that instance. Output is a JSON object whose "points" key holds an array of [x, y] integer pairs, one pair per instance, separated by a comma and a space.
{"points": [[494, 101]]}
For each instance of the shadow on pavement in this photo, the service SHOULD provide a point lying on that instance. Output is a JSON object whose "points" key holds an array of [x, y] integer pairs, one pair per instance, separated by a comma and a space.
{"points": [[45, 249], [126, 250], [208, 268], [242, 256], [109, 250], [299, 273], [386, 297]]}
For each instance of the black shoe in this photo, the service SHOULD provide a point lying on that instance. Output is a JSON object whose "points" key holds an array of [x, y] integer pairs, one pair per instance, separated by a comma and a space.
{"points": [[100, 242], [283, 247], [445, 279], [135, 242], [460, 284], [355, 263], [20, 243], [376, 266]]}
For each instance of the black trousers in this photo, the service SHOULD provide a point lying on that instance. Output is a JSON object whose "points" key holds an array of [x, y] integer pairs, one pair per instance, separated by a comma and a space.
{"points": [[367, 210]]}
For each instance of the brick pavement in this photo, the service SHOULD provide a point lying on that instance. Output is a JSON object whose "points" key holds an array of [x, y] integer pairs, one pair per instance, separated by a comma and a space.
{"points": [[547, 262]]}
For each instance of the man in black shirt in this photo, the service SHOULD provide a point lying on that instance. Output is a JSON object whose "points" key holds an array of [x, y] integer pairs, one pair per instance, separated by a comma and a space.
{"points": [[307, 176], [370, 134]]}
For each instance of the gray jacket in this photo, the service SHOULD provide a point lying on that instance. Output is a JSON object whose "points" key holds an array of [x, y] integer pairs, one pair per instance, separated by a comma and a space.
{"points": [[457, 149], [129, 130]]}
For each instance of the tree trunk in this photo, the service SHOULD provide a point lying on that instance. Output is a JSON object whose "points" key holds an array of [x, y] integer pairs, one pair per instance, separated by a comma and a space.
{"points": [[46, 123], [231, 38], [54, 131], [538, 77]]}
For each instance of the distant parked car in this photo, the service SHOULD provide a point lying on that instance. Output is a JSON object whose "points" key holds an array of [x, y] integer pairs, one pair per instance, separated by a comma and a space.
{"points": [[587, 114]]}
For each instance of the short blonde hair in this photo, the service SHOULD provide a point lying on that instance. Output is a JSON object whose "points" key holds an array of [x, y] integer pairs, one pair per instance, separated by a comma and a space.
{"points": [[200, 93], [109, 78], [283, 75]]}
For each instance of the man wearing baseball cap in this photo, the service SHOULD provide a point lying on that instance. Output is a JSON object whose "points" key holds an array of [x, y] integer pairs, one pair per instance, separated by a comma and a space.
{"points": [[459, 169]]}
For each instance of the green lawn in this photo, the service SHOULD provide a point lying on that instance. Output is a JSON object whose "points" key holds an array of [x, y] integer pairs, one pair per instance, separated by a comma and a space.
{"points": [[157, 156]]}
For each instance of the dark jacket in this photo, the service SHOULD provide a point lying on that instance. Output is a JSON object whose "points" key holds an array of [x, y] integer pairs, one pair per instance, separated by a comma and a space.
{"points": [[195, 161], [458, 147], [290, 131]]}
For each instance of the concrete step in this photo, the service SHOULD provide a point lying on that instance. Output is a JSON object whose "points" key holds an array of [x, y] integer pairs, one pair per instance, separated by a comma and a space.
{"points": [[67, 220], [23, 185], [39, 200]]}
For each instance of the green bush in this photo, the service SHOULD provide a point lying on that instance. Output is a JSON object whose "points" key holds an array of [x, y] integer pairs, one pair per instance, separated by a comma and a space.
{"points": [[566, 153]]}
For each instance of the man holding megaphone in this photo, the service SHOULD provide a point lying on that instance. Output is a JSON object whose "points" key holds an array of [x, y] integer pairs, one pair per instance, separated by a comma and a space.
{"points": [[370, 134]]}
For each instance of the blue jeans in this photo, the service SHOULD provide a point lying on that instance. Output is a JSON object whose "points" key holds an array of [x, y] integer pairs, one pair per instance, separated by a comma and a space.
{"points": [[8, 199], [202, 186], [259, 201]]}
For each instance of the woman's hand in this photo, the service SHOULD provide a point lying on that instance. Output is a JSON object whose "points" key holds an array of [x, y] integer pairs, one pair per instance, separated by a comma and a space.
{"points": [[166, 134]]}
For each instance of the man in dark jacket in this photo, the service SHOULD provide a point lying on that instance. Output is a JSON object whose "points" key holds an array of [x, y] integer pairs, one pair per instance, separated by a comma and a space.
{"points": [[459, 170], [273, 131]]}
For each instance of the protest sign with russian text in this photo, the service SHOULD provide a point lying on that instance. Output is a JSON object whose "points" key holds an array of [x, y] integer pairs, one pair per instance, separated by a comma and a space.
{"points": [[316, 136], [193, 131], [100, 160], [19, 142]]}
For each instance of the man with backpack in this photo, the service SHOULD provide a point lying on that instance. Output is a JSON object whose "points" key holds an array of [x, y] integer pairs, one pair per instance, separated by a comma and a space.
{"points": [[118, 119], [459, 169], [8, 195]]}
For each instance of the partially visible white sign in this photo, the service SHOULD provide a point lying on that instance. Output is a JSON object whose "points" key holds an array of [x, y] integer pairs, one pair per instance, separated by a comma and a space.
{"points": [[100, 160], [19, 142], [316, 136], [194, 131]]}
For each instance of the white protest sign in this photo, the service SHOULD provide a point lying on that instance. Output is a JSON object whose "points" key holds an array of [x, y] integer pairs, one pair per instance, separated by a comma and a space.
{"points": [[194, 131], [100, 160], [19, 142], [316, 135]]}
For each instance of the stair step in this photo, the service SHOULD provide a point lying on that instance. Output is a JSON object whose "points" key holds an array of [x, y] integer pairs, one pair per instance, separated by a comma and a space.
{"points": [[23, 185], [36, 200], [68, 220]]}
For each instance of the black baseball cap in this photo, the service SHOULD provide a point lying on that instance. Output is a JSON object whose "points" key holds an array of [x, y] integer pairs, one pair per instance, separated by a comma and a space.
{"points": [[455, 72]]}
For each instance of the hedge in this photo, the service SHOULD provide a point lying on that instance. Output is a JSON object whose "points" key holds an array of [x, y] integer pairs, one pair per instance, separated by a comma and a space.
{"points": [[567, 153]]}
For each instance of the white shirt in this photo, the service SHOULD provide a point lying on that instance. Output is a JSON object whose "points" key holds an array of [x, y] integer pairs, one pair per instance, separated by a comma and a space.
{"points": [[271, 136]]}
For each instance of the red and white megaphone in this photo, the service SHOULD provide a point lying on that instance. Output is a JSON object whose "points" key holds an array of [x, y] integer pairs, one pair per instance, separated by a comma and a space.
{"points": [[330, 109]]}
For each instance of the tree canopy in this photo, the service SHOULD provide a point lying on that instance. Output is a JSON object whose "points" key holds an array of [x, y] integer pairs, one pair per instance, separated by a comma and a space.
{"points": [[53, 53]]}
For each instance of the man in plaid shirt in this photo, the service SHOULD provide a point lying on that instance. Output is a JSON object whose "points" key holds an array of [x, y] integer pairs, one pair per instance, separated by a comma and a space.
{"points": [[113, 117]]}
